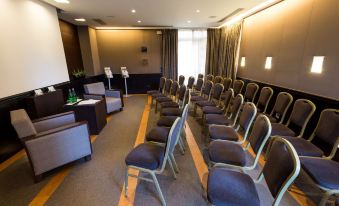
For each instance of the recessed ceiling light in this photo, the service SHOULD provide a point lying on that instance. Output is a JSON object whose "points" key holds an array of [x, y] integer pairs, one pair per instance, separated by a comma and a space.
{"points": [[133, 11], [80, 19], [198, 11], [188, 21], [139, 21], [62, 1]]}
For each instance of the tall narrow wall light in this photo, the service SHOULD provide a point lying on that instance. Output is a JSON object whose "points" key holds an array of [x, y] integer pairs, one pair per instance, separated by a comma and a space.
{"points": [[268, 63], [317, 64], [243, 62]]}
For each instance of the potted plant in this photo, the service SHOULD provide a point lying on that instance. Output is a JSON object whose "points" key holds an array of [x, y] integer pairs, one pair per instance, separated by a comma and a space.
{"points": [[79, 74]]}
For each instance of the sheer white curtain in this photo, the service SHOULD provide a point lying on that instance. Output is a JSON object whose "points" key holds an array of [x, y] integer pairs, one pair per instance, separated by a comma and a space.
{"points": [[191, 52]]}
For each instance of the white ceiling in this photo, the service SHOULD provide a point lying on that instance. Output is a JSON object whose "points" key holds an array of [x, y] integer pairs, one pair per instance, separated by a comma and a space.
{"points": [[176, 13]]}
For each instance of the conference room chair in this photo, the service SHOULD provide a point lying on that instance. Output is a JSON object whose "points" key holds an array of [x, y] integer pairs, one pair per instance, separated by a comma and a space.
{"points": [[231, 155], [176, 111], [169, 98], [251, 92], [179, 100], [213, 101], [221, 109], [242, 127], [200, 76], [190, 82], [302, 112], [224, 119], [209, 77], [218, 79], [324, 173], [160, 89], [52, 141], [281, 105], [152, 159], [166, 91], [228, 187], [227, 82], [197, 88], [237, 86], [327, 131], [265, 96], [205, 94], [97, 91], [181, 80]]}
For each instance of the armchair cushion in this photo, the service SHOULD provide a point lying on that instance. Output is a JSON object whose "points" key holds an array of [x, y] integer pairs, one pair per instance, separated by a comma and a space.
{"points": [[95, 88], [54, 121], [113, 93], [113, 104], [22, 123]]}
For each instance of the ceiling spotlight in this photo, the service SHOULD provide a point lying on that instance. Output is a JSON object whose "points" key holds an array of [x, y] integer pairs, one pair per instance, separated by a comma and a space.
{"points": [[62, 1], [133, 11], [139, 21], [80, 19], [198, 11], [189, 21]]}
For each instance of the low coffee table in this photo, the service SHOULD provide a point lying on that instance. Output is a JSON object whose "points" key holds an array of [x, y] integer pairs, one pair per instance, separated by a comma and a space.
{"points": [[94, 114]]}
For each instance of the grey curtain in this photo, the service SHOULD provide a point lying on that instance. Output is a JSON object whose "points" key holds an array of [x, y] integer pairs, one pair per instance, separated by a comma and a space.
{"points": [[222, 49], [169, 60]]}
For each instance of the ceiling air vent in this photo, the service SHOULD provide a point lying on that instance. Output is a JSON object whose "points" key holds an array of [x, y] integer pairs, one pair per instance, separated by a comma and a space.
{"points": [[99, 21], [231, 14]]}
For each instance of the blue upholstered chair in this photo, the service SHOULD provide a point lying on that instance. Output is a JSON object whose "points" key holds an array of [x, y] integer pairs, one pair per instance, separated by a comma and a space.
{"points": [[214, 100], [181, 80], [232, 155], [237, 86], [251, 92], [152, 159], [302, 112], [221, 109], [169, 97], [197, 89], [327, 131], [281, 105], [161, 87], [224, 119], [223, 132], [228, 187], [265, 96]]}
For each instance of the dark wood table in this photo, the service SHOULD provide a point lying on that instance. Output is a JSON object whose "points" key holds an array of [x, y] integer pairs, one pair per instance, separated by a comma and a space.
{"points": [[94, 114]]}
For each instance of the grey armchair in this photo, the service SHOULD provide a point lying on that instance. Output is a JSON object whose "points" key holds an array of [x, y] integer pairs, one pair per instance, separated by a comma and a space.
{"points": [[52, 141], [113, 98]]}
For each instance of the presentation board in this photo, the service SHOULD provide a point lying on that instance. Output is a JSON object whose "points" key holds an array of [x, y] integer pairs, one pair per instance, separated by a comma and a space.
{"points": [[31, 49]]}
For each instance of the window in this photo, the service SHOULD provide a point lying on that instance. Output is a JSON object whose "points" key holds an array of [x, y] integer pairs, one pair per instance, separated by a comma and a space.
{"points": [[191, 52]]}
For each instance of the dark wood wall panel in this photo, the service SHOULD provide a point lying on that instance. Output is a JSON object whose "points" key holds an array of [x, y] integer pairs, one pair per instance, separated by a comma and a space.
{"points": [[70, 40]]}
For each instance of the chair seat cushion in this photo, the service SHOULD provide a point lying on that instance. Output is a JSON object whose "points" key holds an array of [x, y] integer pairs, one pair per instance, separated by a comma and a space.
{"points": [[151, 92], [205, 103], [226, 187], [197, 98], [227, 152], [304, 147], [212, 110], [158, 134], [324, 172], [166, 121], [163, 99], [218, 119], [169, 104], [113, 104], [171, 112], [148, 156], [194, 94], [222, 132], [281, 130], [272, 119], [156, 95]]}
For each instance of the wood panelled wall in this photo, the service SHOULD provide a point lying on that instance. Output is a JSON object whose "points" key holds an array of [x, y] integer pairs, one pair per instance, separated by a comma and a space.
{"points": [[70, 40]]}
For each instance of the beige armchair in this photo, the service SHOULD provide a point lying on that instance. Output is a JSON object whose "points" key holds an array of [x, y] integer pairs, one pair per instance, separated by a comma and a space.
{"points": [[52, 141]]}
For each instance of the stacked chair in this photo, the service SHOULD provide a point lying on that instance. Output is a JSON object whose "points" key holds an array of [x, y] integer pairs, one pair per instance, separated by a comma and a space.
{"points": [[213, 101]]}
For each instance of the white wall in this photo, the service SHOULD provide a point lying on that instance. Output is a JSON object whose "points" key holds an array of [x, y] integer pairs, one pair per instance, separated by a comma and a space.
{"points": [[31, 49]]}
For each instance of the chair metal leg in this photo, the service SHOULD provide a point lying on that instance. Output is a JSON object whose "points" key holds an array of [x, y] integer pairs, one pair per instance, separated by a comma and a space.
{"points": [[175, 165], [325, 197], [156, 106], [172, 169], [157, 186], [181, 147], [126, 182]]}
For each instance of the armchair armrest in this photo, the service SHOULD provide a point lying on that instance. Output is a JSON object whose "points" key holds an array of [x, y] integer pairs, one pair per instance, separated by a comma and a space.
{"points": [[116, 94], [94, 96], [56, 147], [54, 121]]}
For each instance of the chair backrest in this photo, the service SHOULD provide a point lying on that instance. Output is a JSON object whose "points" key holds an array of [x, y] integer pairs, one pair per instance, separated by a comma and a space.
{"points": [[229, 95], [217, 91], [327, 129], [209, 77], [217, 79], [173, 136], [281, 168], [181, 79], [22, 123], [281, 105], [208, 88], [168, 84], [251, 92], [190, 82], [235, 109], [302, 112], [200, 76], [200, 83], [174, 88], [265, 96], [181, 93], [162, 83], [249, 111], [95, 88], [260, 133], [237, 86], [184, 117], [227, 83]]}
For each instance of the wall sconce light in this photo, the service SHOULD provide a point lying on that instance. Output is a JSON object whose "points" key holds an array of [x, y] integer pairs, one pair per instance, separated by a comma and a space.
{"points": [[317, 64], [243, 62], [268, 63]]}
